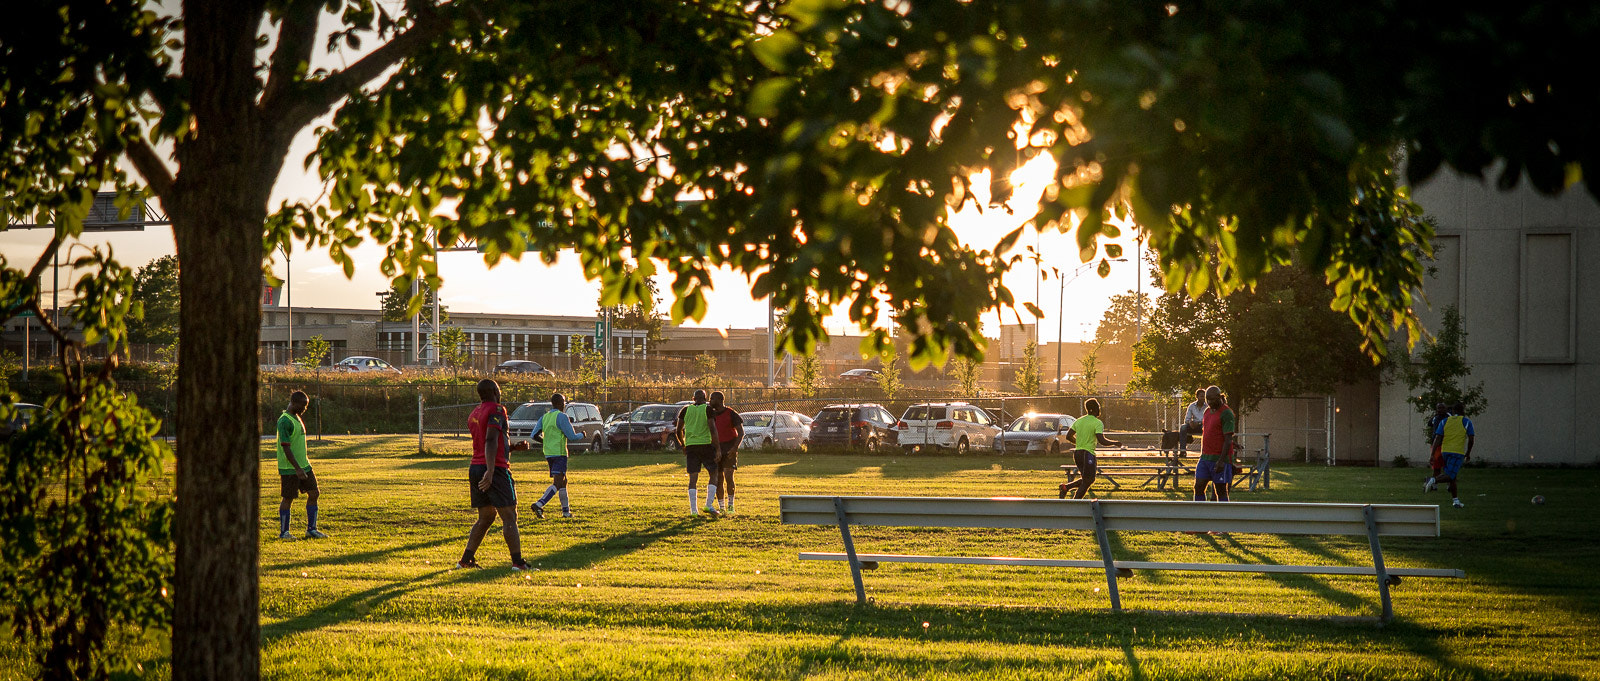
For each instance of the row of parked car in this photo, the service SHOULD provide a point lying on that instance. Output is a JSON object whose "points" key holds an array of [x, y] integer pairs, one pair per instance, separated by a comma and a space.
{"points": [[953, 426]]}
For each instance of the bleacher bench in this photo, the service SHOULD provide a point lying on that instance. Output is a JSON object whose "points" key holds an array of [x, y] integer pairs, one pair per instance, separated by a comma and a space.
{"points": [[1103, 516]]}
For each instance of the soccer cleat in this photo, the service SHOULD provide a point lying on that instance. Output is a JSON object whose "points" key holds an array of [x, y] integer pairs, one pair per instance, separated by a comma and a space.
{"points": [[566, 514], [1457, 503], [1063, 494], [467, 563], [1430, 485], [521, 566], [285, 535], [710, 511], [538, 511], [315, 534]]}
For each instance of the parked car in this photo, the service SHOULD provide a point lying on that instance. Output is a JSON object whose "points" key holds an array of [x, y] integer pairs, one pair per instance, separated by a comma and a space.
{"points": [[1036, 434], [364, 363], [946, 425], [782, 429], [26, 413], [648, 427], [868, 426], [585, 417], [522, 366], [859, 376]]}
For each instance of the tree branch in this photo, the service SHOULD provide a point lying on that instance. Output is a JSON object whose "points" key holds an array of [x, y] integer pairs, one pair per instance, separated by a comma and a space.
{"points": [[153, 169], [291, 58], [317, 98]]}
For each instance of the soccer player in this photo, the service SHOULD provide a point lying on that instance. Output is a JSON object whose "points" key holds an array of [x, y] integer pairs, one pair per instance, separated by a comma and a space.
{"points": [[1215, 467], [731, 429], [1454, 438], [493, 490], [555, 431], [1087, 431], [1441, 411], [294, 471], [697, 434]]}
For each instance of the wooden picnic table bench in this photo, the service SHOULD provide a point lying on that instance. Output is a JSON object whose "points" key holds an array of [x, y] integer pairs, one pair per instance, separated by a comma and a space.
{"points": [[1161, 473], [1104, 516]]}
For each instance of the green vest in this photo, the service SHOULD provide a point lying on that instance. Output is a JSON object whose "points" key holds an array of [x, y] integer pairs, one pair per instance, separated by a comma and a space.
{"points": [[292, 431], [697, 424], [555, 441]]}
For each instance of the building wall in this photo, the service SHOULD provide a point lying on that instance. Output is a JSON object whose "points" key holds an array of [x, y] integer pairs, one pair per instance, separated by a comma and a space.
{"points": [[1519, 267]]}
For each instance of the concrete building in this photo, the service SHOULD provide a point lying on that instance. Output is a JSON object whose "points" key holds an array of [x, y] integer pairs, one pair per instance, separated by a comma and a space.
{"points": [[1520, 267]]}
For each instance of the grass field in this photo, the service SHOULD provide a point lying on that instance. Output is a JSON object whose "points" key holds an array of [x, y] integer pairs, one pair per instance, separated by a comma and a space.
{"points": [[633, 588]]}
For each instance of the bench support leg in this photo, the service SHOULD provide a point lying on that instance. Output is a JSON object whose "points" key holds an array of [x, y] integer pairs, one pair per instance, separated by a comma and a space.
{"points": [[1105, 555], [850, 550], [1377, 562]]}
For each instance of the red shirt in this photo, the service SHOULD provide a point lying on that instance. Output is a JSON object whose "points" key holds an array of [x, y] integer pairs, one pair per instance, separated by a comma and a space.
{"points": [[1216, 433], [486, 415], [726, 420]]}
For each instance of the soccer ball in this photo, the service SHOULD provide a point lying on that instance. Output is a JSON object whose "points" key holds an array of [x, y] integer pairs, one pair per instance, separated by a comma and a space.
{"points": [[1538, 500]]}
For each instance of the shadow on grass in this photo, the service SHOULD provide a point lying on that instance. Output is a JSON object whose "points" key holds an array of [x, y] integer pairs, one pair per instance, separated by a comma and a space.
{"points": [[1122, 552], [523, 463], [589, 554], [1241, 554], [362, 557]]}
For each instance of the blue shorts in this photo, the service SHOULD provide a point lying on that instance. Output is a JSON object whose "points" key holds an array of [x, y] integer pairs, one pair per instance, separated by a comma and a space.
{"points": [[558, 465], [1452, 465], [1208, 470]]}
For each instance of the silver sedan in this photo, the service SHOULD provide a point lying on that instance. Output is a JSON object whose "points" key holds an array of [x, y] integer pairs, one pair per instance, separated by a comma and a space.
{"points": [[1036, 434]]}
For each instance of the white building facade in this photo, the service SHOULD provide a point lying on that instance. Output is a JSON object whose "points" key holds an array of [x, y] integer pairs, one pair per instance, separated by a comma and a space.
{"points": [[1524, 270]]}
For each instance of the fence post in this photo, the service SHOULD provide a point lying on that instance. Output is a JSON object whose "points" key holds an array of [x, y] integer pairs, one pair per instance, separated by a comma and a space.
{"points": [[420, 402]]}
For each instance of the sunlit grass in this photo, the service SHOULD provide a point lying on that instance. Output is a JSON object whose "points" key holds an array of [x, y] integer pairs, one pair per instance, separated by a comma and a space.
{"points": [[634, 588]]}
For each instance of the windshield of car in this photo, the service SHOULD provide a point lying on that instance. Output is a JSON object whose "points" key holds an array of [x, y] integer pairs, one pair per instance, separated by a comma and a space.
{"points": [[923, 412], [835, 414], [656, 413], [530, 412], [757, 420], [1034, 425]]}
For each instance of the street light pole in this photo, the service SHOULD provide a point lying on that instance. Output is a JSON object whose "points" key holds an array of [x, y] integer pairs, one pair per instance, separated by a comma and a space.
{"points": [[288, 296]]}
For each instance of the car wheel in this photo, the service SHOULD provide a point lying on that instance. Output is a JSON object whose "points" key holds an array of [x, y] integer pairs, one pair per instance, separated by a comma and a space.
{"points": [[962, 447], [872, 445], [1055, 448], [910, 449]]}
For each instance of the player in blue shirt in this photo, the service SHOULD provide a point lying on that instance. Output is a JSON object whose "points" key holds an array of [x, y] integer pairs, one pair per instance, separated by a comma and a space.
{"points": [[555, 431], [1454, 437]]}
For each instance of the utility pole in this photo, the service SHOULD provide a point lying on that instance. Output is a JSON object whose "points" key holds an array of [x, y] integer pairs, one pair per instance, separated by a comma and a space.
{"points": [[1061, 309], [416, 325], [288, 295], [772, 339]]}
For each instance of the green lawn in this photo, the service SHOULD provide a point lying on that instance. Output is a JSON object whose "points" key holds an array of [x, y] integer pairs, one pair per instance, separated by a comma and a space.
{"points": [[633, 588]]}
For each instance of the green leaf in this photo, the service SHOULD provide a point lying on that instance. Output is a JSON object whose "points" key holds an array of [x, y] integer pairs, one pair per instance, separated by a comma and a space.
{"points": [[768, 95], [776, 51]]}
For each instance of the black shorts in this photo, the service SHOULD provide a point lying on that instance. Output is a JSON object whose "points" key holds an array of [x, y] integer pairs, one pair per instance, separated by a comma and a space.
{"points": [[1085, 461], [701, 455], [730, 456], [501, 494], [292, 485]]}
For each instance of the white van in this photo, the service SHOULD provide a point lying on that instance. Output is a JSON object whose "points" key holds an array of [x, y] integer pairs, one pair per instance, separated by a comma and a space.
{"points": [[947, 425]]}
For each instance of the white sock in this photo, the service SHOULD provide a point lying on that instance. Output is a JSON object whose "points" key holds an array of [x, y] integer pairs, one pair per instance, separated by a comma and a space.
{"points": [[730, 502], [711, 495], [693, 508], [563, 494]]}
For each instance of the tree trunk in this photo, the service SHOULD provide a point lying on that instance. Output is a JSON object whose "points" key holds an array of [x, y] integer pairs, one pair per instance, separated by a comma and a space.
{"points": [[218, 204]]}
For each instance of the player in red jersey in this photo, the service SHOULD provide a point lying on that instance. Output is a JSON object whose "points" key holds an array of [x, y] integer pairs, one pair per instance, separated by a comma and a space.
{"points": [[493, 489]]}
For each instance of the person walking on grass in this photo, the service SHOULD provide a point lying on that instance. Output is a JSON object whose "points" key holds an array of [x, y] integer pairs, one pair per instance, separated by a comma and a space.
{"points": [[294, 470], [1454, 438], [697, 435], [730, 428], [555, 431], [1441, 411], [1217, 430], [493, 489], [1086, 432]]}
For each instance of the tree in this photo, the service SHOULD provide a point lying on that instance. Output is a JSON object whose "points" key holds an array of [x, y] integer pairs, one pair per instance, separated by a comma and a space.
{"points": [[1121, 326], [889, 373], [1268, 131], [1279, 340], [1089, 369], [156, 287], [592, 362], [10, 364], [705, 364], [396, 304], [966, 372], [453, 347], [317, 351], [808, 374], [1029, 374], [1441, 368], [643, 315]]}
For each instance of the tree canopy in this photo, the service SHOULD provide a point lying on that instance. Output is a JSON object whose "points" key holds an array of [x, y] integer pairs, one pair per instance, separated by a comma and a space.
{"points": [[156, 287]]}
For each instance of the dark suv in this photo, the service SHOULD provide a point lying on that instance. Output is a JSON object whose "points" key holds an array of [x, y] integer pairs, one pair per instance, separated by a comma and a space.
{"points": [[868, 426], [651, 426]]}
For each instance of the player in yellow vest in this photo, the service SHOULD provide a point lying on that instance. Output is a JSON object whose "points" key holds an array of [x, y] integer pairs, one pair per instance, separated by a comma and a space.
{"points": [[555, 431], [697, 434], [1454, 437]]}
